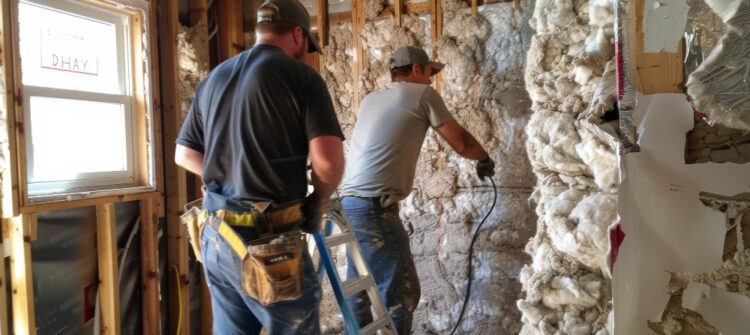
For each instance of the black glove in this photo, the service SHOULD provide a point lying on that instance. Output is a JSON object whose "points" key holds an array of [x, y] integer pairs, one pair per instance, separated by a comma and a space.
{"points": [[313, 218], [486, 168]]}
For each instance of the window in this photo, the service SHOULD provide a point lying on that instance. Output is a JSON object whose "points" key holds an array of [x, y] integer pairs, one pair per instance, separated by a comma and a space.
{"points": [[79, 102]]}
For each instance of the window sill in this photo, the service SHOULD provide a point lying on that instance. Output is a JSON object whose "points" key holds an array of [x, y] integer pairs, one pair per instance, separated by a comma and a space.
{"points": [[89, 198]]}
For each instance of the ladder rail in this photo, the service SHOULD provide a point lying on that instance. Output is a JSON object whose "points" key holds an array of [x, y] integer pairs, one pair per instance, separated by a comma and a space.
{"points": [[382, 320], [349, 319]]}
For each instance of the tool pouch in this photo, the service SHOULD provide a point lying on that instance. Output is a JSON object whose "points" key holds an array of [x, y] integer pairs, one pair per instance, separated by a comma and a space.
{"points": [[193, 219], [272, 271]]}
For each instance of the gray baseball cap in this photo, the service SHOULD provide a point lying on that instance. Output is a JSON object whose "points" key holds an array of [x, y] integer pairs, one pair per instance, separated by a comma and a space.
{"points": [[289, 11], [408, 55]]}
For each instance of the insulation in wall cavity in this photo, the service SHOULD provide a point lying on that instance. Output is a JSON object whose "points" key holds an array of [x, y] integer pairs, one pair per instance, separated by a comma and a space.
{"points": [[482, 86], [568, 69], [484, 90], [338, 70], [717, 143], [380, 38], [192, 62], [718, 87]]}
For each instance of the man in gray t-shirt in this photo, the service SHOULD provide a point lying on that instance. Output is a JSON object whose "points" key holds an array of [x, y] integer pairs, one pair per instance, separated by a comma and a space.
{"points": [[380, 167]]}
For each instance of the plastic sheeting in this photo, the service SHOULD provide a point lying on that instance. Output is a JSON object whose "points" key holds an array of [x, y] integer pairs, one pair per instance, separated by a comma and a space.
{"points": [[64, 268], [720, 86]]}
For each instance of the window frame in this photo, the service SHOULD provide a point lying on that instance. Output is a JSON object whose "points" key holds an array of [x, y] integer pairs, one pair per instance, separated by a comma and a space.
{"points": [[142, 124]]}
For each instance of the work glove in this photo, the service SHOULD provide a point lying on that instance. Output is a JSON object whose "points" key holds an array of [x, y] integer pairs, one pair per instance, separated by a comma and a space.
{"points": [[486, 168], [313, 217]]}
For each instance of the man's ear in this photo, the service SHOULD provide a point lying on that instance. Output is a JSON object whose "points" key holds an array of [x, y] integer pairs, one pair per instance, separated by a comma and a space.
{"points": [[416, 70], [298, 35]]}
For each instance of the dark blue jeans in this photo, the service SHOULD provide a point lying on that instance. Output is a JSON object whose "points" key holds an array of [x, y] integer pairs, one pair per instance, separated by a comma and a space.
{"points": [[385, 247], [236, 313]]}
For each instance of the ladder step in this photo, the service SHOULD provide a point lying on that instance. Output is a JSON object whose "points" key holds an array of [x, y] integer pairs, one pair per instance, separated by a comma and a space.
{"points": [[338, 239], [376, 325], [357, 284]]}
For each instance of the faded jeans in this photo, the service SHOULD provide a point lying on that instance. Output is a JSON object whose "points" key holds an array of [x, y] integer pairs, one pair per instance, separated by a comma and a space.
{"points": [[385, 247], [236, 313]]}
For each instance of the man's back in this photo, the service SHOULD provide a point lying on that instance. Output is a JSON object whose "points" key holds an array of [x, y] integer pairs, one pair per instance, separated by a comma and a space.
{"points": [[388, 137], [252, 118]]}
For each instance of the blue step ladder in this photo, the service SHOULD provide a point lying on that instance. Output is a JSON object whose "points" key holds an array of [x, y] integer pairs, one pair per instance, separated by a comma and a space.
{"points": [[364, 282]]}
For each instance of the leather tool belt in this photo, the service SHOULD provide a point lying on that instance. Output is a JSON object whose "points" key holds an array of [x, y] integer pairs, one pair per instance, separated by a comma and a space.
{"points": [[272, 263]]}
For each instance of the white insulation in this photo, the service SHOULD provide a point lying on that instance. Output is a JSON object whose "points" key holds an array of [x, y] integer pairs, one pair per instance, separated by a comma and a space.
{"points": [[483, 88], [567, 285]]}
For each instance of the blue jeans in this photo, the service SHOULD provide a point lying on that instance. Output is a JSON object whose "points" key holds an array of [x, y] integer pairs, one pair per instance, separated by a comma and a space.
{"points": [[385, 248], [234, 312]]}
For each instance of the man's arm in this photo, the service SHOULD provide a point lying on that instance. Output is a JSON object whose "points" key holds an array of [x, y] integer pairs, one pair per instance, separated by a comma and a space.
{"points": [[327, 157], [189, 159], [462, 141]]}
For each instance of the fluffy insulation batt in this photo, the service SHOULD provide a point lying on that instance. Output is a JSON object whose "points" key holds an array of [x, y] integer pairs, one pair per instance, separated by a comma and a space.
{"points": [[192, 62], [483, 88], [568, 283]]}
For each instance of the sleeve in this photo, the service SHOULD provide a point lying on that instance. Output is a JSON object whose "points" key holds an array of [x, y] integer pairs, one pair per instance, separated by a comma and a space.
{"points": [[434, 108], [191, 133], [320, 116]]}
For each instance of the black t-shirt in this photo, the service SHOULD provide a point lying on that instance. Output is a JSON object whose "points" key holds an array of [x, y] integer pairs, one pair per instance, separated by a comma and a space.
{"points": [[252, 118]]}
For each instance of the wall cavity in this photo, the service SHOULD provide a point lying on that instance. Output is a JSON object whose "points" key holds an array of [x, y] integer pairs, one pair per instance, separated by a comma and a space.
{"points": [[338, 70], [192, 62], [568, 283], [717, 143], [483, 88], [482, 85]]}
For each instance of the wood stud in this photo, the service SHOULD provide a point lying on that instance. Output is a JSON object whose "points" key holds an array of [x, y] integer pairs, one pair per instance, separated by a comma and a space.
{"points": [[175, 177], [149, 267], [22, 285], [109, 281]]}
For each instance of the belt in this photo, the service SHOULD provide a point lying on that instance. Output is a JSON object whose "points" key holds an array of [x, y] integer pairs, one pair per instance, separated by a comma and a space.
{"points": [[282, 219]]}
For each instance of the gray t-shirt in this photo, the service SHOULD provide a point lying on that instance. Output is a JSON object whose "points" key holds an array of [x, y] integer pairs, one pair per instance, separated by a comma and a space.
{"points": [[387, 139]]}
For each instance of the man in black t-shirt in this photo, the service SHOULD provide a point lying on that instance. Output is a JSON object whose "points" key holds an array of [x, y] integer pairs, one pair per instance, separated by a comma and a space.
{"points": [[253, 122]]}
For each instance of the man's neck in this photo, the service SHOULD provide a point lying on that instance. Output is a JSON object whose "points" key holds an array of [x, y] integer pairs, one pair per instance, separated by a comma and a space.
{"points": [[276, 42], [403, 80]]}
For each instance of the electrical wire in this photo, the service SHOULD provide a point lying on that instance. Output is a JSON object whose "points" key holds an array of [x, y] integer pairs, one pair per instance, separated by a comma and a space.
{"points": [[471, 256], [179, 297]]}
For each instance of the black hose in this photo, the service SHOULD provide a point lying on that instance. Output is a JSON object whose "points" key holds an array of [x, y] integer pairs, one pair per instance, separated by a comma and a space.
{"points": [[471, 254]]}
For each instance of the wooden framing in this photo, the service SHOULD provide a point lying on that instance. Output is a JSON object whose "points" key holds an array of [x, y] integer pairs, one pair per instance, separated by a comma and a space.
{"points": [[175, 177], [359, 55], [10, 200], [3, 289], [322, 21], [207, 318], [198, 12], [412, 8], [333, 18], [21, 222], [22, 287], [398, 10], [149, 267], [16, 196], [231, 34], [109, 281], [661, 72]]}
